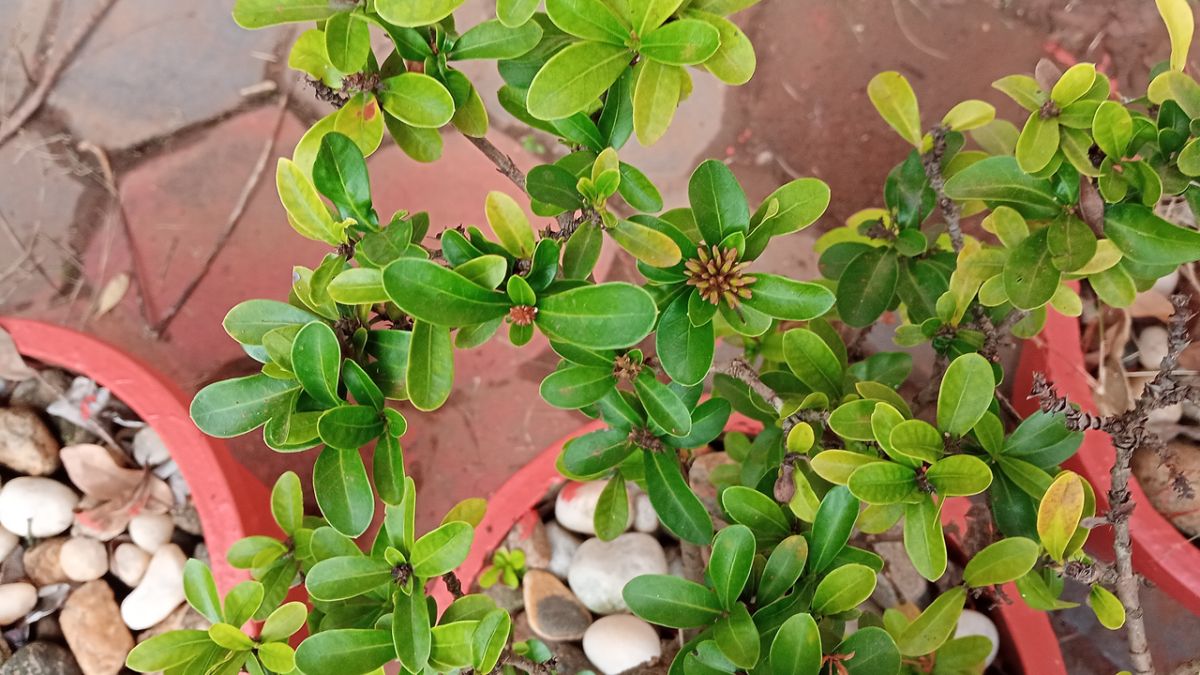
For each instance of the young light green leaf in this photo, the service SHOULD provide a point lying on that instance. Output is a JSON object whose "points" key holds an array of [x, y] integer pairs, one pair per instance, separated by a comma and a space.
{"points": [[287, 504], [923, 538], [959, 476], [784, 566], [575, 77], [1109, 610], [1001, 562], [441, 550], [966, 392], [411, 637], [843, 589], [410, 13], [882, 482], [737, 637], [509, 223], [796, 649], [893, 97], [343, 491], [686, 42], [656, 95], [729, 563], [201, 590], [935, 625], [417, 100], [306, 212]]}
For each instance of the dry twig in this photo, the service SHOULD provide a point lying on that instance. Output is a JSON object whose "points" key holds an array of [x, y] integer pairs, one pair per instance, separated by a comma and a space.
{"points": [[933, 170]]}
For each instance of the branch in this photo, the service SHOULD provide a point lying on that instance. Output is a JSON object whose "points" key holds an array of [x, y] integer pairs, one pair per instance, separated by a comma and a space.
{"points": [[19, 115], [933, 170], [567, 223], [453, 584], [740, 369], [1129, 432]]}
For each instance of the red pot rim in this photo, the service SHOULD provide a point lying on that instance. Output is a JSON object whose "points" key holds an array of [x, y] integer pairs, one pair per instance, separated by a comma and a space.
{"points": [[1160, 551], [1027, 636], [230, 501]]}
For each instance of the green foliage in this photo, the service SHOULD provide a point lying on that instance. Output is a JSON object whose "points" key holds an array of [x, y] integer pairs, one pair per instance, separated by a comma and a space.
{"points": [[1066, 201]]}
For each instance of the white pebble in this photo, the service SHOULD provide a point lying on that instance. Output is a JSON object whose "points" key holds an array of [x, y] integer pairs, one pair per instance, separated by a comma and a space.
{"points": [[575, 507], [1166, 284], [620, 642], [16, 600], [38, 507], [160, 591], [975, 623], [645, 519], [1152, 346], [151, 531], [83, 559], [129, 563]]}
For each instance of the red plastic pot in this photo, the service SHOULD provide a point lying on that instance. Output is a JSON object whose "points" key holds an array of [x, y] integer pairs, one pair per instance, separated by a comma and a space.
{"points": [[1028, 639], [1160, 552], [231, 502]]}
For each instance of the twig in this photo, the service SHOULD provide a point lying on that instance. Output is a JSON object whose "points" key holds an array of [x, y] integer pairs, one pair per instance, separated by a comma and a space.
{"points": [[235, 215], [740, 369], [54, 67], [453, 584], [933, 170], [1129, 432], [567, 223], [139, 273]]}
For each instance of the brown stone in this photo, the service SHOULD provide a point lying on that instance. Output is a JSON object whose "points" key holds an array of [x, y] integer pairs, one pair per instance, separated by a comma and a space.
{"points": [[554, 612], [42, 563], [26, 445], [1154, 475], [91, 623]]}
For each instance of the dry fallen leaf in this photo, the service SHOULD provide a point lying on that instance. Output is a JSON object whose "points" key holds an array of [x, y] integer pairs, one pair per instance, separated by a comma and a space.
{"points": [[113, 493], [12, 366], [1151, 304], [112, 293]]}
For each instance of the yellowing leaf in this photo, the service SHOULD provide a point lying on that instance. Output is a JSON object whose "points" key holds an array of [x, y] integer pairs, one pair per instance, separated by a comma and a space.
{"points": [[655, 97], [969, 115], [509, 223], [306, 212], [1059, 513], [1177, 14], [893, 97]]}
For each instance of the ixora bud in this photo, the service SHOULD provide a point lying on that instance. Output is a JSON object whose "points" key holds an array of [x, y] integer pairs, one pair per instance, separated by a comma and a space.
{"points": [[717, 274], [522, 315]]}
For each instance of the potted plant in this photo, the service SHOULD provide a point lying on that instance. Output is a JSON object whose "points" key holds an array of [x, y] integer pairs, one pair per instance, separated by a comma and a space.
{"points": [[849, 443]]}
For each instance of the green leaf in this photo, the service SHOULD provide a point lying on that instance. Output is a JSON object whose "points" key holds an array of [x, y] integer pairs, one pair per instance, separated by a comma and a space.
{"points": [[441, 550], [813, 362], [684, 349], [662, 405], [347, 42], [494, 40], [893, 97], [249, 322], [788, 300], [959, 476], [233, 407], [1043, 440], [923, 538], [612, 509], [575, 387], [514, 13], [1059, 513], [552, 184], [588, 20], [317, 360], [1144, 237], [287, 505], [1073, 84], [417, 100], [882, 482], [1023, 89], [388, 469], [843, 589], [1001, 562], [718, 202], [361, 121], [262, 13], [1177, 14], [1072, 243], [734, 62], [796, 649], [358, 286], [646, 244], [509, 223], [831, 528], [490, 639], [671, 601], [596, 452], [423, 145], [935, 625], [604, 316], [757, 511], [648, 15], [1000, 181], [638, 191], [343, 491], [867, 286], [790, 208], [243, 601], [429, 292], [737, 637], [966, 393], [852, 420], [412, 13], [729, 563], [1030, 277], [201, 590], [430, 366], [836, 466], [411, 637], [277, 657], [575, 77], [874, 652], [969, 115], [340, 173], [349, 427], [350, 651], [784, 567], [917, 439], [346, 577], [1112, 128], [1109, 610], [168, 650], [679, 509], [306, 212], [283, 622], [1038, 143], [656, 95], [686, 42]]}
